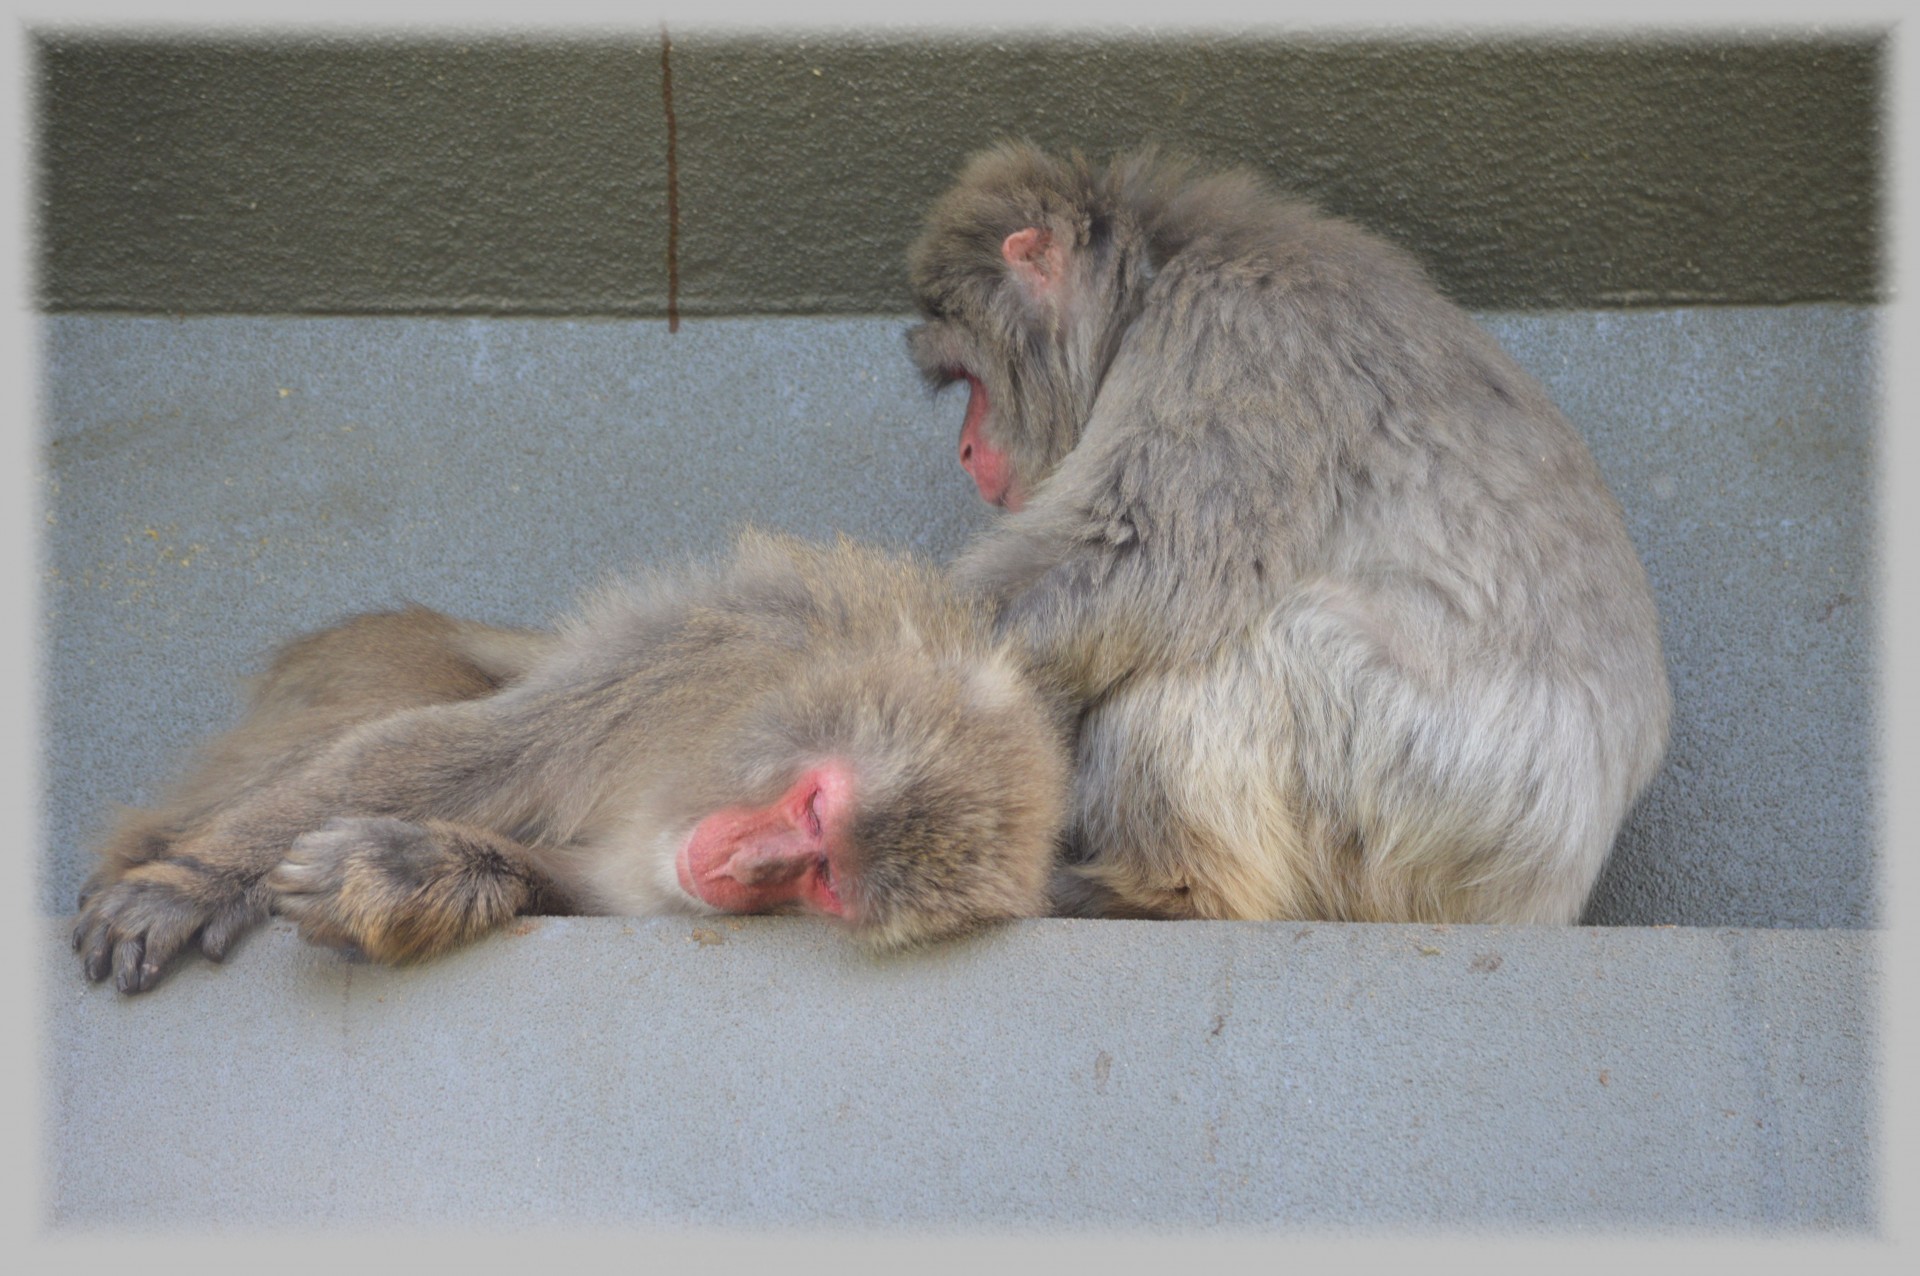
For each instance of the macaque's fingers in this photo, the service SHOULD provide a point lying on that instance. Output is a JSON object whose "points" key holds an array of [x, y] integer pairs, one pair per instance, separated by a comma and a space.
{"points": [[129, 963], [395, 890], [227, 925], [136, 926], [94, 942], [138, 969], [310, 885], [315, 862]]}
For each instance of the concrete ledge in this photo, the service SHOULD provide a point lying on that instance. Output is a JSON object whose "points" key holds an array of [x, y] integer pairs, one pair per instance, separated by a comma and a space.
{"points": [[1054, 1074]]}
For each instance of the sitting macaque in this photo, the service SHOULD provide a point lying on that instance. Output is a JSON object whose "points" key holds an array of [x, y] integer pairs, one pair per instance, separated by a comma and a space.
{"points": [[1351, 622], [801, 729]]}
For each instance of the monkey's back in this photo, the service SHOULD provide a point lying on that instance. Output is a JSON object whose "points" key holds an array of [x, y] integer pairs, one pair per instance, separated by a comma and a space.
{"points": [[1339, 464]]}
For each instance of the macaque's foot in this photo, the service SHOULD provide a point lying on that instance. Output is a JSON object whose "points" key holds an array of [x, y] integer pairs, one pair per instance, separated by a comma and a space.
{"points": [[136, 923], [394, 890]]}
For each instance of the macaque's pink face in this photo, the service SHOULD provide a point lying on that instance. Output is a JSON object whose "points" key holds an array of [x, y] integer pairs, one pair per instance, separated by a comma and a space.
{"points": [[991, 469], [792, 851]]}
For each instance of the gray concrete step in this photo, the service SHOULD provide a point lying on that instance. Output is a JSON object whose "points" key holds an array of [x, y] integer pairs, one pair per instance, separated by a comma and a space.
{"points": [[1058, 1074]]}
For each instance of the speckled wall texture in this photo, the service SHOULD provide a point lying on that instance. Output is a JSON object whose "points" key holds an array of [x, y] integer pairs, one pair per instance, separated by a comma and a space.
{"points": [[530, 176]]}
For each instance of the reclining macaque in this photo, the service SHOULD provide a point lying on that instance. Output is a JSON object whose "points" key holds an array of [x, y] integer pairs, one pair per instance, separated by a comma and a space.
{"points": [[823, 730], [1352, 624]]}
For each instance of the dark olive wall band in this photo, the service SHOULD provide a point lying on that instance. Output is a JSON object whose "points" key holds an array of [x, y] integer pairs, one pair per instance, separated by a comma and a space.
{"points": [[201, 174]]}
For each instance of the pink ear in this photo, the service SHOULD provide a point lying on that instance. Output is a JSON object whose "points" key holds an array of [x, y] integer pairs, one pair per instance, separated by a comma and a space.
{"points": [[1037, 261]]}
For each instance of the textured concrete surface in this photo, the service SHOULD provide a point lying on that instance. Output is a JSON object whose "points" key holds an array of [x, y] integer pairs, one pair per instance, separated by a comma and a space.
{"points": [[212, 486], [760, 1072], [513, 175]]}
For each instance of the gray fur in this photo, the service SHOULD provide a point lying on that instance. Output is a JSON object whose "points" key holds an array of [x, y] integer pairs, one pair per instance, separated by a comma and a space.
{"points": [[1352, 622], [406, 781]]}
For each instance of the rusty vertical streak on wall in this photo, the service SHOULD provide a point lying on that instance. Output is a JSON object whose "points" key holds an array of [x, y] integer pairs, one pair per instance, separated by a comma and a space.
{"points": [[673, 183]]}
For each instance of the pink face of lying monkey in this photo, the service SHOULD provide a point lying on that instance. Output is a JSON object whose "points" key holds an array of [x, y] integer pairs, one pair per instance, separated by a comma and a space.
{"points": [[792, 851]]}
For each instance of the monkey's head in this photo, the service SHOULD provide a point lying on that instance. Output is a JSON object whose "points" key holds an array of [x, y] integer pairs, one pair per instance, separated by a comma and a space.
{"points": [[901, 773], [912, 799], [1026, 275]]}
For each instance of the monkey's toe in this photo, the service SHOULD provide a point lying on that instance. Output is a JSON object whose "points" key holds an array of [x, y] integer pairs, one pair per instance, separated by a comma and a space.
{"points": [[227, 925], [134, 928], [96, 952], [297, 877], [131, 972], [139, 961], [314, 865], [307, 882], [95, 937]]}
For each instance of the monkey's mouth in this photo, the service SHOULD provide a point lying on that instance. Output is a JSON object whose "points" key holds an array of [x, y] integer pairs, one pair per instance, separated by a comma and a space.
{"points": [[767, 886]]}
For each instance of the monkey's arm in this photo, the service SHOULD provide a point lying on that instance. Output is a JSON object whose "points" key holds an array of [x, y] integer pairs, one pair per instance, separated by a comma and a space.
{"points": [[398, 891], [1078, 632], [1162, 535], [450, 763], [1094, 592]]}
